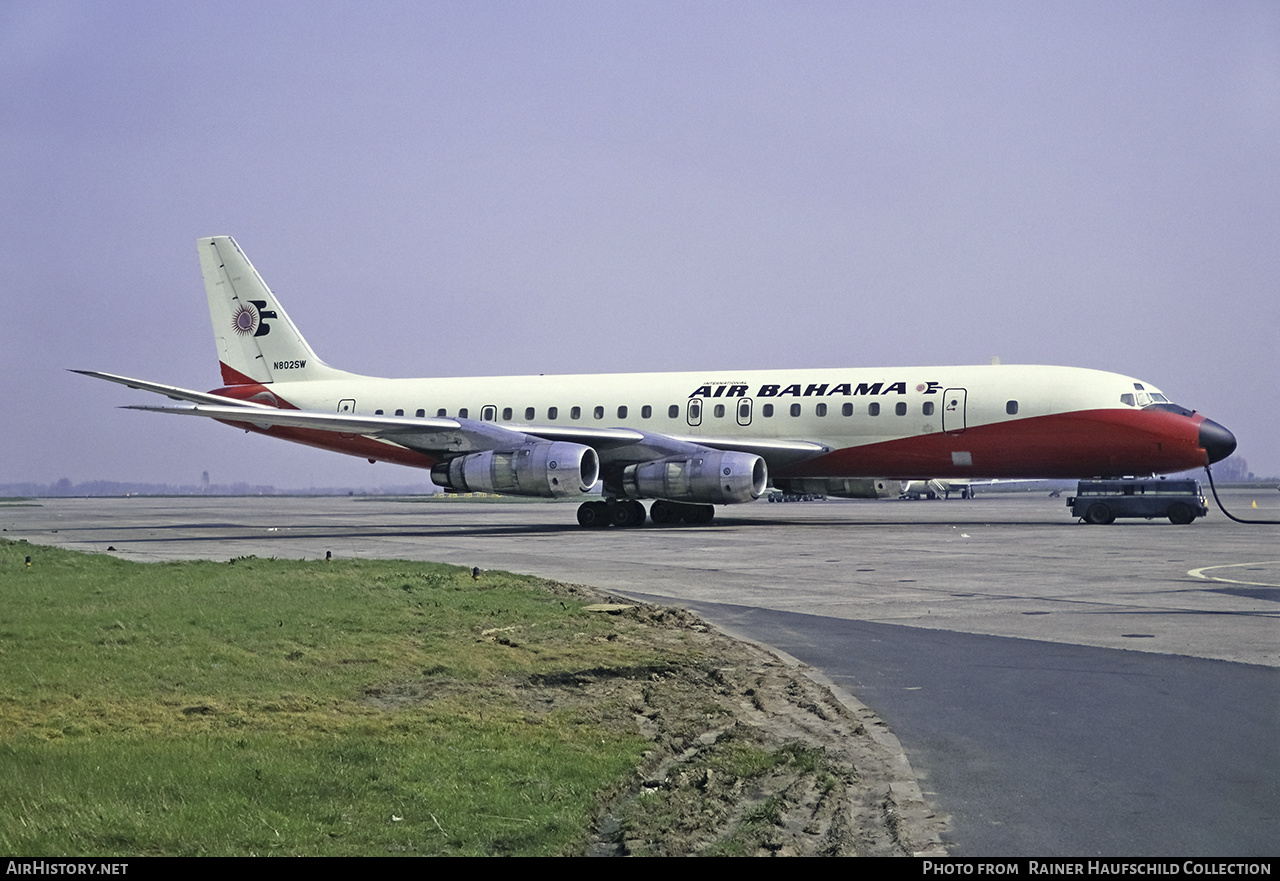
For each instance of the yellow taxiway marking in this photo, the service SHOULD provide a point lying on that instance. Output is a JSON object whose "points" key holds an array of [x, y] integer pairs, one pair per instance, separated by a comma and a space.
{"points": [[1200, 573]]}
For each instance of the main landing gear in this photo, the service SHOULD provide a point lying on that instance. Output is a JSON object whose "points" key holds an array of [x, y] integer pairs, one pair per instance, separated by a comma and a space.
{"points": [[628, 512]]}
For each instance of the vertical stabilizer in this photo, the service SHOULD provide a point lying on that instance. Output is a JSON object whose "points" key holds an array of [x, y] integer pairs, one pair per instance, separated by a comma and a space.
{"points": [[256, 340]]}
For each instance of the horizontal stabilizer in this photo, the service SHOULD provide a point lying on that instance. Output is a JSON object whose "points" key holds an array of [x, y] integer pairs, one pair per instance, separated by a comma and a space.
{"points": [[173, 391]]}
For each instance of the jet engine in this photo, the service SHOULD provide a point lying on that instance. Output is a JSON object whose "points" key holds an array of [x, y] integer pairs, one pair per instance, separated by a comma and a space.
{"points": [[714, 477], [547, 470], [842, 488]]}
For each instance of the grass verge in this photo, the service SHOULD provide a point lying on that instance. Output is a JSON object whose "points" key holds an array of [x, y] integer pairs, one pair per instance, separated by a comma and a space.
{"points": [[272, 706]]}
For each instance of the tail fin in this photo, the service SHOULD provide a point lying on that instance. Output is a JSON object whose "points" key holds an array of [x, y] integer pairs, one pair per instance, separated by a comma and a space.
{"points": [[256, 340]]}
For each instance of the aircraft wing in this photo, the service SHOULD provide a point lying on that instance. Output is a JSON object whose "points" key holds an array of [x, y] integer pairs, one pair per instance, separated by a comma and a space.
{"points": [[610, 442], [433, 435], [445, 436], [776, 452], [448, 437]]}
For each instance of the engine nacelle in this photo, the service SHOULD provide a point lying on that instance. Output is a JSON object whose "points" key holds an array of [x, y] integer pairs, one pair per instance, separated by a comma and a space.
{"points": [[547, 470], [714, 477], [842, 488]]}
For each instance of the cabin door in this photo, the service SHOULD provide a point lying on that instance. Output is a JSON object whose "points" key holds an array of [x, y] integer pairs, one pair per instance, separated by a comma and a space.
{"points": [[953, 404]]}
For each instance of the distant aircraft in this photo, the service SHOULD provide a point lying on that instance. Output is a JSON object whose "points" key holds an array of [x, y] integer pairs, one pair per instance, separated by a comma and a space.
{"points": [[688, 441]]}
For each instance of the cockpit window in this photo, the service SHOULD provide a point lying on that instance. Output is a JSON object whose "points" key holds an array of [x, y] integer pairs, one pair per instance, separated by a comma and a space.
{"points": [[1170, 407], [1127, 400]]}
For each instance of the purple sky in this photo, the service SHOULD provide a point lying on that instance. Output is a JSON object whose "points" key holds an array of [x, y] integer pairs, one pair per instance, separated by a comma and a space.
{"points": [[472, 188]]}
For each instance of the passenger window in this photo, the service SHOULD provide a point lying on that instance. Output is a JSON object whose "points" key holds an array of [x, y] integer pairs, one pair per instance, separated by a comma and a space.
{"points": [[377, 412], [462, 414], [795, 409], [927, 409], [506, 414], [719, 411], [488, 413], [420, 413], [846, 410], [598, 412], [622, 412], [400, 412], [552, 413], [528, 414], [821, 409], [646, 411], [900, 408], [441, 413], [575, 413], [673, 411], [768, 411], [873, 409], [1011, 408]]}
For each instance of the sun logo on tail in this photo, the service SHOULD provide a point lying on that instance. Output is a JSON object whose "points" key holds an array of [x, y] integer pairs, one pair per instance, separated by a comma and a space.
{"points": [[248, 319], [245, 320]]}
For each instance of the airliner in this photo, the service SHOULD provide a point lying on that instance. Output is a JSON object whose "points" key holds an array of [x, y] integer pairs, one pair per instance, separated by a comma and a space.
{"points": [[686, 441]]}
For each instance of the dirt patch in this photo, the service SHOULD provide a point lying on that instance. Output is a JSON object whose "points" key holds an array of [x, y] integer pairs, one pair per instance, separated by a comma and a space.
{"points": [[750, 755]]}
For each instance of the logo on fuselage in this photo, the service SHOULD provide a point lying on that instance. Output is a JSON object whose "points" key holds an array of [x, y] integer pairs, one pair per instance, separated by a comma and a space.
{"points": [[248, 318], [810, 390]]}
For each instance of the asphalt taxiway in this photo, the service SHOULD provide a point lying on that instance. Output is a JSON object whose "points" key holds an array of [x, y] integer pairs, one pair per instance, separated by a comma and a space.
{"points": [[1060, 689]]}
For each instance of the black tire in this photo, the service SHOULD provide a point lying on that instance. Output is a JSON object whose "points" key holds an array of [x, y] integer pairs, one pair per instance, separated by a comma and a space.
{"points": [[593, 515], [622, 514], [1180, 513], [661, 512], [1099, 515]]}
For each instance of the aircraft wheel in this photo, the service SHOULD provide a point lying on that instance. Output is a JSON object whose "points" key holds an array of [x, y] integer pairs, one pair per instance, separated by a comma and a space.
{"points": [[593, 515], [1180, 514], [623, 514], [699, 513], [660, 512], [638, 509], [1099, 515]]}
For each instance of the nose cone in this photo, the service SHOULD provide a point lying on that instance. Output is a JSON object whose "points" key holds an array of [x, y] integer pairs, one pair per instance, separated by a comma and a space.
{"points": [[1216, 440]]}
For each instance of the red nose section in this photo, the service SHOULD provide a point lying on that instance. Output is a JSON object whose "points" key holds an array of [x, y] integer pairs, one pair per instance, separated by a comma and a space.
{"points": [[1086, 443]]}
